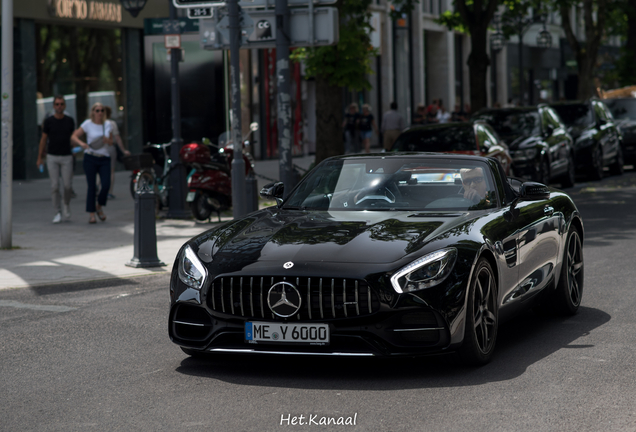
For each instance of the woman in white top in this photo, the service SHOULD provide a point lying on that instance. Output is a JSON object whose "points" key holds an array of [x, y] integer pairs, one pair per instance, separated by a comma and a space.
{"points": [[98, 137]]}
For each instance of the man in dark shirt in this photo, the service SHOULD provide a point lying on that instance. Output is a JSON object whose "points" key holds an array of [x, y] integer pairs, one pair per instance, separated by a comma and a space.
{"points": [[57, 130]]}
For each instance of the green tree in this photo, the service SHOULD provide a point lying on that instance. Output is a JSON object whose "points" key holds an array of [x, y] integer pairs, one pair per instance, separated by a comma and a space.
{"points": [[621, 22], [585, 51], [346, 64], [473, 17]]}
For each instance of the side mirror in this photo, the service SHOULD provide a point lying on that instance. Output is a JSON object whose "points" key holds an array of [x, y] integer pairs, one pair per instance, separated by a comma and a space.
{"points": [[531, 191], [273, 191]]}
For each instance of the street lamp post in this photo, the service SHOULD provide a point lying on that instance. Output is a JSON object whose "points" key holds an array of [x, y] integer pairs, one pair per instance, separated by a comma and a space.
{"points": [[544, 40], [133, 6]]}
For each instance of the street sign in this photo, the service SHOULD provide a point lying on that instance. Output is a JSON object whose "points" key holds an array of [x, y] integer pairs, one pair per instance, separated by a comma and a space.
{"points": [[200, 12], [172, 41], [249, 3], [196, 3], [171, 27], [261, 31]]}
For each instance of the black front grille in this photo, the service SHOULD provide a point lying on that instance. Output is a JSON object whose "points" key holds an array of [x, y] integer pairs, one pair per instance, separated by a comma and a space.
{"points": [[322, 298]]}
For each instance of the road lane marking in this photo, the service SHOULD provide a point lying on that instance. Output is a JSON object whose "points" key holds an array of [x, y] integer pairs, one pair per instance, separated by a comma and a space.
{"points": [[48, 308]]}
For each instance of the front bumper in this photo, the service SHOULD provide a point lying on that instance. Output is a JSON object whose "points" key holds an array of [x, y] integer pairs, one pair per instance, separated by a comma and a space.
{"points": [[379, 325]]}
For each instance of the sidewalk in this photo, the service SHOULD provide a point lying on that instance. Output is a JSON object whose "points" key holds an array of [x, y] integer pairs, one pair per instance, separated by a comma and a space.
{"points": [[45, 253]]}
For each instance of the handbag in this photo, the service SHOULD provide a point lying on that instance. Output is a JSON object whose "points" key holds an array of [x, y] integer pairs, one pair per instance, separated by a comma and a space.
{"points": [[98, 143]]}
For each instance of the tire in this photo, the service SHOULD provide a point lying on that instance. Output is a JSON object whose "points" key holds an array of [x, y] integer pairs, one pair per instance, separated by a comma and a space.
{"points": [[204, 204], [617, 168], [569, 178], [596, 171], [567, 296], [482, 317], [143, 180]]}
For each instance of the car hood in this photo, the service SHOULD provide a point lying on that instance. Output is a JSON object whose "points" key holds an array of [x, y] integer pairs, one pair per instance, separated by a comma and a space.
{"points": [[274, 235], [627, 127]]}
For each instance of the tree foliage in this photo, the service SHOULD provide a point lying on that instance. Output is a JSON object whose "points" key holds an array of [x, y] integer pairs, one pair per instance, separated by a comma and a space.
{"points": [[348, 63]]}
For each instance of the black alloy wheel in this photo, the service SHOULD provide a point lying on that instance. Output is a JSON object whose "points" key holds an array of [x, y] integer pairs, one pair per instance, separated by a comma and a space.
{"points": [[481, 317], [569, 292], [569, 178], [617, 168], [596, 173]]}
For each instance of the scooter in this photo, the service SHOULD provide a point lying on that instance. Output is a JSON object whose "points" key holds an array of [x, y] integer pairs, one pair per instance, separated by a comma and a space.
{"points": [[210, 179]]}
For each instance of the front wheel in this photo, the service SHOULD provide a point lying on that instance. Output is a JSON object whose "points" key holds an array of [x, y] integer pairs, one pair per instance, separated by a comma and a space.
{"points": [[617, 168], [481, 317], [569, 291], [204, 204]]}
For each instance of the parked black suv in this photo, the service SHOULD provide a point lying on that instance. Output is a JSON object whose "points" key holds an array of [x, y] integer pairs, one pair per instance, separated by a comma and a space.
{"points": [[624, 112], [539, 143], [597, 140]]}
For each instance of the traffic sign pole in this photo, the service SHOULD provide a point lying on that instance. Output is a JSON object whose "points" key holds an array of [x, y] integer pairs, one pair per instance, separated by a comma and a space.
{"points": [[284, 98], [177, 181], [238, 165]]}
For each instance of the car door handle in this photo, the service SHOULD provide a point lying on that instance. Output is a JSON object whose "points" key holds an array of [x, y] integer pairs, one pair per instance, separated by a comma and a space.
{"points": [[548, 210]]}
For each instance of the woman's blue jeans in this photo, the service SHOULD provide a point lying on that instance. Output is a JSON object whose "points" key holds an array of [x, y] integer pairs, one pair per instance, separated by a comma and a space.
{"points": [[94, 165]]}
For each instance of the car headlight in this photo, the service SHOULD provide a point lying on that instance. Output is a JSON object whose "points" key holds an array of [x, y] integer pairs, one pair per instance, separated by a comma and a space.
{"points": [[425, 272], [191, 270]]}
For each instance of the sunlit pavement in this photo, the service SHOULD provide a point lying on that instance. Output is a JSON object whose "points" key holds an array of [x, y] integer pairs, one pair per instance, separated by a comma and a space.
{"points": [[72, 251]]}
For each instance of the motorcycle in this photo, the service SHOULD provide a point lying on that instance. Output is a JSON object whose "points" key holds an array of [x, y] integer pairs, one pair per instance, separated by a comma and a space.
{"points": [[210, 179]]}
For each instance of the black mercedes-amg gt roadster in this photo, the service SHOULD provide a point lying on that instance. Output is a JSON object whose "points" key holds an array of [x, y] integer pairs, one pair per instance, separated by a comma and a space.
{"points": [[379, 255]]}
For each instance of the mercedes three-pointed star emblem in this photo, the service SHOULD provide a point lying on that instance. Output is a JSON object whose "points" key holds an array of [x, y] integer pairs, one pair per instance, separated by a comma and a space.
{"points": [[284, 299]]}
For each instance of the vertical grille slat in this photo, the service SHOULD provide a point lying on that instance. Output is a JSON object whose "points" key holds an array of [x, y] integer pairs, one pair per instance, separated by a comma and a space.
{"points": [[357, 299], [251, 296], [344, 297], [309, 297], [325, 298], [262, 308], [333, 298], [241, 296], [322, 314], [222, 295], [232, 294]]}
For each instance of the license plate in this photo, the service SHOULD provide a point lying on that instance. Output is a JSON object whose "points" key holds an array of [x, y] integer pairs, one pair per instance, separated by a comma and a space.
{"points": [[269, 332], [190, 196]]}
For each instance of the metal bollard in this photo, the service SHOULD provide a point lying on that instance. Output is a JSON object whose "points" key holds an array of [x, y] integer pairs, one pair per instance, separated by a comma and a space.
{"points": [[251, 187], [145, 253]]}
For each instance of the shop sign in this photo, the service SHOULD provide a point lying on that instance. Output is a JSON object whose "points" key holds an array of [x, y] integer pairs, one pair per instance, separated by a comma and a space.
{"points": [[85, 10]]}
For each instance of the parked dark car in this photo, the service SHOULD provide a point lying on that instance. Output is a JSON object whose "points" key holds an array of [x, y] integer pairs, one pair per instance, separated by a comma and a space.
{"points": [[379, 255], [624, 112], [539, 143], [597, 140], [474, 138]]}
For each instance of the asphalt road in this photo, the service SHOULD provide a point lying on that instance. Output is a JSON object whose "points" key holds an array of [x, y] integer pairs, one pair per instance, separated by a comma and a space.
{"points": [[97, 357]]}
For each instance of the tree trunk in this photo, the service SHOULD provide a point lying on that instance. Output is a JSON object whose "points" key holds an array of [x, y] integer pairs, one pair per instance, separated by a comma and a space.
{"points": [[586, 67], [329, 118], [478, 62]]}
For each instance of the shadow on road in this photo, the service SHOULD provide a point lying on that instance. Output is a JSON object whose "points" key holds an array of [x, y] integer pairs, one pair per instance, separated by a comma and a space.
{"points": [[521, 343]]}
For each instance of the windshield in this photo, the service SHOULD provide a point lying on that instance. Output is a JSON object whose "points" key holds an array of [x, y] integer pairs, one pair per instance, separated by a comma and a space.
{"points": [[622, 109], [575, 115], [411, 183], [435, 139], [513, 123]]}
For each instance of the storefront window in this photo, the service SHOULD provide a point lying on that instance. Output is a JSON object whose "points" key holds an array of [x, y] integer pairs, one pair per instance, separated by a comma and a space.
{"points": [[83, 64]]}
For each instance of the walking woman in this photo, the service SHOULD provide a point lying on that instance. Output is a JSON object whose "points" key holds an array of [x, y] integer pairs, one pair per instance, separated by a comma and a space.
{"points": [[98, 136], [366, 125]]}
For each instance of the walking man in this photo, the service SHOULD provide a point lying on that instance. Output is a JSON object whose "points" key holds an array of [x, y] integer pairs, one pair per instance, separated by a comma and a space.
{"points": [[392, 126], [57, 130]]}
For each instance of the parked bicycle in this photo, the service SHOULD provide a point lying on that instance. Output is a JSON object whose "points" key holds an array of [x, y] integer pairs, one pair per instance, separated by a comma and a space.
{"points": [[151, 171]]}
